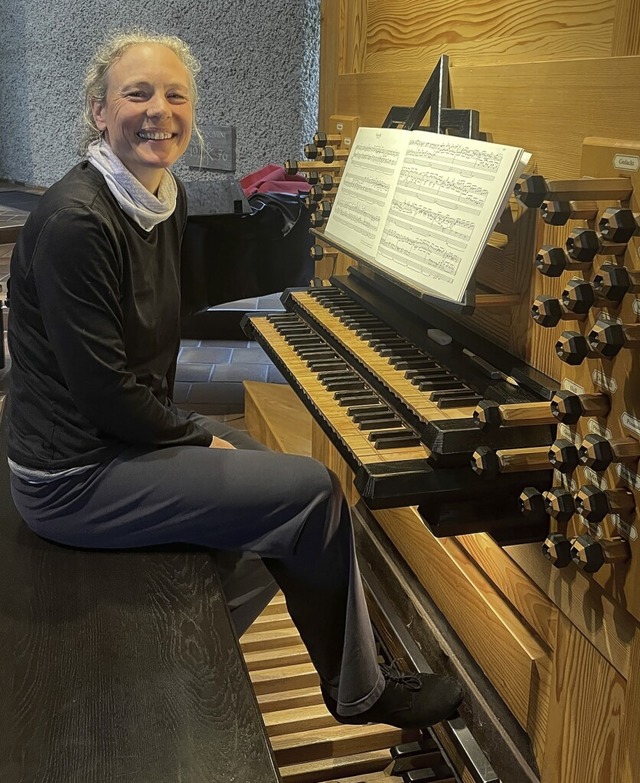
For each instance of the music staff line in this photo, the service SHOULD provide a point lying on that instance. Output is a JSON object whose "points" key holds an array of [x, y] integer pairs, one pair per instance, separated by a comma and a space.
{"points": [[455, 153], [425, 268], [451, 229]]}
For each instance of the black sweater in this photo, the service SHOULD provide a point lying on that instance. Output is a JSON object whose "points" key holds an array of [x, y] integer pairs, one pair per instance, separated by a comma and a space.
{"points": [[93, 329]]}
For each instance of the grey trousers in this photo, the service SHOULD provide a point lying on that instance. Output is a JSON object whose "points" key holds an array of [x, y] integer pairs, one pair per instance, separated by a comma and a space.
{"points": [[273, 520]]}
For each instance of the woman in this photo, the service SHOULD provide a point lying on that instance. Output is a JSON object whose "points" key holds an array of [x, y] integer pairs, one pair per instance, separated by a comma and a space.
{"points": [[99, 455]]}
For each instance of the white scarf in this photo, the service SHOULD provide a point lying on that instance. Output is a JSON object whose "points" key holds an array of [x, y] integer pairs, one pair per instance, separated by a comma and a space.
{"points": [[132, 196]]}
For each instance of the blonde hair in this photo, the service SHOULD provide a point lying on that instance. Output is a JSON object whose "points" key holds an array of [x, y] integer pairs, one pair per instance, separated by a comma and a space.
{"points": [[96, 76]]}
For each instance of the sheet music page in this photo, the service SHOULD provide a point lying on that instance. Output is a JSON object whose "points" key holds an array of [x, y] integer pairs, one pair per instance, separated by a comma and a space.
{"points": [[366, 188], [449, 196]]}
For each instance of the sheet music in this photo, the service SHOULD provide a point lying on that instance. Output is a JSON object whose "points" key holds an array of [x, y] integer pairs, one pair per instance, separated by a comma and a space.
{"points": [[366, 188], [449, 196], [422, 205]]}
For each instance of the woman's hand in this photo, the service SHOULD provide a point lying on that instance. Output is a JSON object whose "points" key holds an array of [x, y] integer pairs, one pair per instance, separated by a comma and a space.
{"points": [[218, 443]]}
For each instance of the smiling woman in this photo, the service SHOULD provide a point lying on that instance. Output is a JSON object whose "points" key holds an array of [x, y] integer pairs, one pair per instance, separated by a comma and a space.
{"points": [[100, 456]]}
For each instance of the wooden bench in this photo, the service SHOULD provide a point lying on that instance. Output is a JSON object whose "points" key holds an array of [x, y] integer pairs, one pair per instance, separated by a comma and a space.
{"points": [[119, 666]]}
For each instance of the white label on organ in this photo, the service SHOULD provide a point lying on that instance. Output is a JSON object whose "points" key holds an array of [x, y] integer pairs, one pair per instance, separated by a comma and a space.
{"points": [[627, 530], [595, 479], [628, 476], [630, 422], [594, 426], [572, 386], [601, 380], [626, 162]]}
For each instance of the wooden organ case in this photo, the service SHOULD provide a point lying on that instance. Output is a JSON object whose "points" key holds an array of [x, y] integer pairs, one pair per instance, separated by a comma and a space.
{"points": [[492, 456]]}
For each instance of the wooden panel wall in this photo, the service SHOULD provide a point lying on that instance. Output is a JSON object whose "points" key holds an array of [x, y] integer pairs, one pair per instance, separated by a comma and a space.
{"points": [[537, 71]]}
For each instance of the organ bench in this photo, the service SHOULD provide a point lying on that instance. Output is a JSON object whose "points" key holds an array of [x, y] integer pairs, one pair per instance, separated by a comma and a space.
{"points": [[119, 666]]}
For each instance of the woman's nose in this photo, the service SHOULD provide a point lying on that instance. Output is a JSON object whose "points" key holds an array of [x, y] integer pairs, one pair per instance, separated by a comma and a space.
{"points": [[158, 106]]}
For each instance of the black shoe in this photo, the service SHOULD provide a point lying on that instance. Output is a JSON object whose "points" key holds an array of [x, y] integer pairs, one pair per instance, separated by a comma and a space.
{"points": [[408, 701]]}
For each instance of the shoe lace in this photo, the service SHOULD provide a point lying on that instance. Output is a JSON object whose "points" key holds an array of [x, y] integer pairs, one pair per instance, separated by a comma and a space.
{"points": [[391, 671]]}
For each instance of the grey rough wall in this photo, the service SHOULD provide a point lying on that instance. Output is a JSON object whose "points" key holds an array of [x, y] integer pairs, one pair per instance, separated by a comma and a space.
{"points": [[259, 73]]}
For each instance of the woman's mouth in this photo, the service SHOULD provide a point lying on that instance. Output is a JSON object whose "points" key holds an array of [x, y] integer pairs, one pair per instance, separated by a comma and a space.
{"points": [[149, 135]]}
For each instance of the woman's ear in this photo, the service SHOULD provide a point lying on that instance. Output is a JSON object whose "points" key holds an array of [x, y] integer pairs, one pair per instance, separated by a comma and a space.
{"points": [[98, 111]]}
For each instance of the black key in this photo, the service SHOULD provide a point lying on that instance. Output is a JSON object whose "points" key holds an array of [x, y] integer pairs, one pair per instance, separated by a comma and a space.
{"points": [[322, 352], [367, 409], [379, 424], [456, 402], [336, 375], [345, 309], [463, 391], [308, 342], [371, 332], [395, 350], [293, 328], [426, 372], [431, 375], [400, 353], [354, 399], [415, 362], [345, 386], [324, 364], [392, 439], [370, 415], [325, 293], [275, 318], [428, 386], [388, 342]]}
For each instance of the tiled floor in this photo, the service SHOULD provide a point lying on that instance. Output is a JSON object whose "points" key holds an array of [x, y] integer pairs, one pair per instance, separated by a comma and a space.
{"points": [[210, 372]]}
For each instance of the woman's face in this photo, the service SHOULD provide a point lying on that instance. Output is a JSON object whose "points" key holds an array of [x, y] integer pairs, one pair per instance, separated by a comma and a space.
{"points": [[147, 114]]}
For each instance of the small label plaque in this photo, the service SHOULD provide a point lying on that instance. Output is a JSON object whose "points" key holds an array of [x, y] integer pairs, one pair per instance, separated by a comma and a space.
{"points": [[626, 162], [219, 151]]}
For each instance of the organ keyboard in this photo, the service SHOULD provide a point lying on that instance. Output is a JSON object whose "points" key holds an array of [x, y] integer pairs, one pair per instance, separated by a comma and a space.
{"points": [[396, 395]]}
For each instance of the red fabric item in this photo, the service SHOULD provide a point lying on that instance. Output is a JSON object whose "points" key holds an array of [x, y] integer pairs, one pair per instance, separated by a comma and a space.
{"points": [[273, 179]]}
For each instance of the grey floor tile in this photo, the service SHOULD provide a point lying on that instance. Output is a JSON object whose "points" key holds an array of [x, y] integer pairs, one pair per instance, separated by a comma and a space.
{"points": [[193, 373], [202, 355], [239, 372], [253, 355]]}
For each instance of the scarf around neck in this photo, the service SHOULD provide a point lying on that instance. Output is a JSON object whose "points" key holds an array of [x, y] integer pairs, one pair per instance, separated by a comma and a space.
{"points": [[134, 199]]}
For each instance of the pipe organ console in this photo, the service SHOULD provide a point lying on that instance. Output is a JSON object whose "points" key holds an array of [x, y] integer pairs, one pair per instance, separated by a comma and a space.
{"points": [[493, 450]]}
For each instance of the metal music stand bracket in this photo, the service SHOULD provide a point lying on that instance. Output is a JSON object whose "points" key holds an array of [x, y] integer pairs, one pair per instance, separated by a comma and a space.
{"points": [[435, 98]]}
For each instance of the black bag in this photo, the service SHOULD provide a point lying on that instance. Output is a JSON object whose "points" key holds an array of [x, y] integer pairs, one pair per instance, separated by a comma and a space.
{"points": [[228, 257]]}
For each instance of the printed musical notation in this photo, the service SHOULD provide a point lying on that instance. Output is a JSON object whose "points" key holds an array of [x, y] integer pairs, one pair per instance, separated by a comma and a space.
{"points": [[375, 157], [455, 155], [427, 257], [423, 205], [452, 191]]}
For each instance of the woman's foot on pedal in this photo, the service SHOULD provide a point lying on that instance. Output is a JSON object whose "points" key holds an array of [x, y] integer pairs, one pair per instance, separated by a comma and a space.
{"points": [[408, 701]]}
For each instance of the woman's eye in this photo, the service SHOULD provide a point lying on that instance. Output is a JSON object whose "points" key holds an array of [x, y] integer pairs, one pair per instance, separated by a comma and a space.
{"points": [[135, 94], [177, 97]]}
